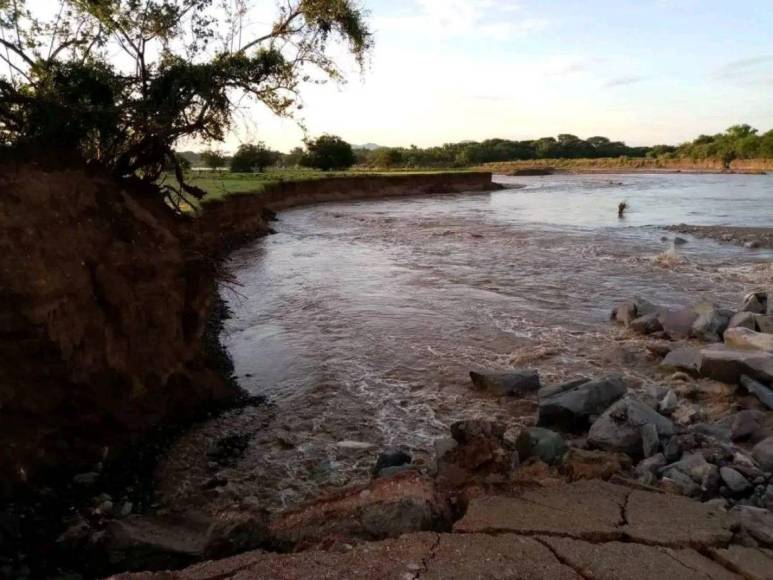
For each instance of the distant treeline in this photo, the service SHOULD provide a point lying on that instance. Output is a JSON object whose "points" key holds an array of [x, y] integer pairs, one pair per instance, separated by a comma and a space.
{"points": [[738, 142]]}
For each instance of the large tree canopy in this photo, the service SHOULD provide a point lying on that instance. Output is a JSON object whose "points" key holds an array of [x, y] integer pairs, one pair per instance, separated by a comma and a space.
{"points": [[120, 81]]}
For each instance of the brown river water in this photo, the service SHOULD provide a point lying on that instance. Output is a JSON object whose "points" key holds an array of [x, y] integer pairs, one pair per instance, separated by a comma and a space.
{"points": [[359, 321]]}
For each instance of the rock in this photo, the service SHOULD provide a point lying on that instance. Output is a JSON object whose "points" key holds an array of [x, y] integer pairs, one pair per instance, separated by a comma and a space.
{"points": [[651, 464], [764, 322], [682, 359], [620, 427], [736, 482], [393, 457], [764, 394], [727, 364], [746, 425], [669, 403], [718, 432], [646, 324], [756, 302], [681, 483], [125, 509], [744, 338], [627, 312], [679, 241], [763, 454], [86, 479], [751, 245], [694, 465], [581, 464], [544, 444], [392, 471], [105, 508], [711, 323], [552, 390], [509, 384], [468, 430], [573, 408], [758, 523], [743, 320], [672, 450], [677, 324], [482, 454], [650, 441]]}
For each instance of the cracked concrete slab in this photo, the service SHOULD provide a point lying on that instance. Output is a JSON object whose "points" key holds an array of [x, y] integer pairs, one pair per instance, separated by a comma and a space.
{"points": [[589, 510], [616, 560]]}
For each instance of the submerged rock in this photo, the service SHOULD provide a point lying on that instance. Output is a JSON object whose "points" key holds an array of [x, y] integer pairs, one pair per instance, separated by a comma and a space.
{"points": [[573, 408], [620, 427], [513, 383]]}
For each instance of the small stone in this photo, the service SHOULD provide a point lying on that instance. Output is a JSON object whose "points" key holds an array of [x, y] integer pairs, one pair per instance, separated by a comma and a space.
{"points": [[763, 454], [649, 439], [651, 464], [672, 450], [669, 403], [735, 482], [393, 457], [746, 425], [764, 394], [547, 445], [86, 479], [646, 324]]}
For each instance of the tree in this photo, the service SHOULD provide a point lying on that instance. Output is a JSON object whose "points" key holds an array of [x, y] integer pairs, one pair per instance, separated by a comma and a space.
{"points": [[385, 157], [214, 159], [184, 66], [252, 158], [328, 152]]}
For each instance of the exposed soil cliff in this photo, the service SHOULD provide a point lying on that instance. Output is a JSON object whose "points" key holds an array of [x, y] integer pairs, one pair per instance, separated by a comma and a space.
{"points": [[103, 306]]}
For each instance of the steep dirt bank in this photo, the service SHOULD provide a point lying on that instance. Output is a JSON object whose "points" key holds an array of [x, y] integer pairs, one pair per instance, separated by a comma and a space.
{"points": [[104, 304], [631, 165], [227, 222]]}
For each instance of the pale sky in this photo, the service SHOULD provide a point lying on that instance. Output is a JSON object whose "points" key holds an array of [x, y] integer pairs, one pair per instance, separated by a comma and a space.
{"points": [[642, 71]]}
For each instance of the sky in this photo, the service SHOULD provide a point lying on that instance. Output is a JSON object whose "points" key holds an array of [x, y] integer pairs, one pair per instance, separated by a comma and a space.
{"points": [[642, 71]]}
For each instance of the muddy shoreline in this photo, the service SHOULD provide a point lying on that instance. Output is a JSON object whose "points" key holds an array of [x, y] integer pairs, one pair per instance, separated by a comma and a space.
{"points": [[751, 238]]}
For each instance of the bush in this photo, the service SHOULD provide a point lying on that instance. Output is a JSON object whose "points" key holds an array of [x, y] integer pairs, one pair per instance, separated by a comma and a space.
{"points": [[328, 152], [253, 158]]}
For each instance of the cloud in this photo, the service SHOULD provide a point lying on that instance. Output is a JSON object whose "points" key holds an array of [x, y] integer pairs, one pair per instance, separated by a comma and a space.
{"points": [[496, 20], [624, 81], [752, 70]]}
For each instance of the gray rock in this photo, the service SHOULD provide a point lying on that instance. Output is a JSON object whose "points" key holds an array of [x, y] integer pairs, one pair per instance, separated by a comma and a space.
{"points": [[620, 427], [746, 425], [743, 320], [627, 312], [711, 323], [749, 339], [735, 482], [86, 479], [392, 457], [694, 465], [647, 324], [751, 245], [683, 482], [677, 324], [650, 442], [679, 241], [756, 302], [544, 444], [727, 364], [684, 359], [763, 454], [514, 383], [764, 322], [719, 432], [573, 408], [758, 523], [651, 464], [552, 390], [756, 388], [672, 450], [668, 403]]}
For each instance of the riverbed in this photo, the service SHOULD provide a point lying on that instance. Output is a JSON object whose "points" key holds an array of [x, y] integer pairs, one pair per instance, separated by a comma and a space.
{"points": [[359, 321]]}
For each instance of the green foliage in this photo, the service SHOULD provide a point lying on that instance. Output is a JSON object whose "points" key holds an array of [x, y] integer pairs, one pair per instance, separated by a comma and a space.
{"points": [[213, 159], [328, 152], [251, 158], [737, 142], [182, 65]]}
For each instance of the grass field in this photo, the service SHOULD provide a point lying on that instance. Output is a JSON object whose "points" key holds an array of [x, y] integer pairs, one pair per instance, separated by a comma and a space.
{"points": [[219, 184]]}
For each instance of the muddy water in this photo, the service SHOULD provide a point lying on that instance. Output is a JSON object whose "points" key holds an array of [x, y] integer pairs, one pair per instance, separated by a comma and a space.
{"points": [[361, 320]]}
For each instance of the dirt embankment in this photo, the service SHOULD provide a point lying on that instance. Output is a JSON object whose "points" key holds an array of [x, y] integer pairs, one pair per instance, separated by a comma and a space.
{"points": [[103, 306], [105, 298], [628, 165], [748, 237], [232, 220]]}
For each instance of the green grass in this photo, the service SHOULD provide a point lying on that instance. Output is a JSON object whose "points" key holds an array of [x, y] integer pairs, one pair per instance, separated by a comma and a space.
{"points": [[220, 184]]}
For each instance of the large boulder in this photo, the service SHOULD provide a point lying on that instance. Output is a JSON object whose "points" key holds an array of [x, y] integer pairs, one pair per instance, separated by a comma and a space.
{"points": [[764, 322], [763, 454], [573, 408], [710, 323], [756, 302], [682, 359], [727, 364], [513, 383], [744, 338], [620, 427]]}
